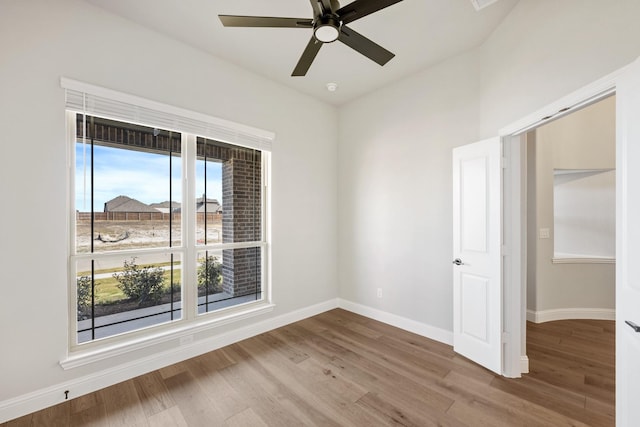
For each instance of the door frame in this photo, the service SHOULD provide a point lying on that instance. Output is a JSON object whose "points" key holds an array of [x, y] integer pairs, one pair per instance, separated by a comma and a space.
{"points": [[514, 310]]}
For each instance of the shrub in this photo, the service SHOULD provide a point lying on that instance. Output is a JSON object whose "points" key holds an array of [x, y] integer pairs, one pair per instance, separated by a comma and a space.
{"points": [[210, 275], [141, 284], [176, 289], [83, 284]]}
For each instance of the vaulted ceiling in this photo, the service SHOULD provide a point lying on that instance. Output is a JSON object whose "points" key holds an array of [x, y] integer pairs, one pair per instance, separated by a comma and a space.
{"points": [[420, 33]]}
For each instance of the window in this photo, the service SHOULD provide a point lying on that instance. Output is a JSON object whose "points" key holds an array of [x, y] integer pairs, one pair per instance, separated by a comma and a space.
{"points": [[584, 215], [228, 235], [167, 225]]}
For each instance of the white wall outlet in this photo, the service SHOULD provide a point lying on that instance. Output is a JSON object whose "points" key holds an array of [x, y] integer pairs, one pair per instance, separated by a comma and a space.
{"points": [[379, 293], [544, 233]]}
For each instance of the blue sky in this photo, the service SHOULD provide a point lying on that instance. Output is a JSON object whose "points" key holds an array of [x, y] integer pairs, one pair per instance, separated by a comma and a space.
{"points": [[139, 175]]}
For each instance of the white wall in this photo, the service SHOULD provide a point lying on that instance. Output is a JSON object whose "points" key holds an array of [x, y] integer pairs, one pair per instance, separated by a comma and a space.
{"points": [[546, 49], [395, 144], [395, 191], [40, 41], [582, 140]]}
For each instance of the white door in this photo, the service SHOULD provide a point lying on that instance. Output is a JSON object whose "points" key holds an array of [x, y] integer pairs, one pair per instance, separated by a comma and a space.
{"points": [[628, 248], [477, 255]]}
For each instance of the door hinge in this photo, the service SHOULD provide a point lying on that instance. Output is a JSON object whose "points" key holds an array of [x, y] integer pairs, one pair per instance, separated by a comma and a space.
{"points": [[505, 337], [503, 162]]}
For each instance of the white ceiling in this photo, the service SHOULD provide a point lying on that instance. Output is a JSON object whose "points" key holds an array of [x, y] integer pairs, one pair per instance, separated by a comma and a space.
{"points": [[420, 32]]}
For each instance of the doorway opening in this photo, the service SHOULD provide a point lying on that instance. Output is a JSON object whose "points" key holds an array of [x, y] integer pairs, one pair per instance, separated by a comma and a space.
{"points": [[625, 83], [570, 284], [515, 214], [570, 179]]}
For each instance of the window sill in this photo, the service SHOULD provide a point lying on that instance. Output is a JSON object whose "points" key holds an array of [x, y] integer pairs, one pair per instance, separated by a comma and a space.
{"points": [[183, 334], [583, 260]]}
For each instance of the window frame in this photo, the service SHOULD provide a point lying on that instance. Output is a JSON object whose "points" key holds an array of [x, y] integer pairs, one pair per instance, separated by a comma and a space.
{"points": [[191, 321]]}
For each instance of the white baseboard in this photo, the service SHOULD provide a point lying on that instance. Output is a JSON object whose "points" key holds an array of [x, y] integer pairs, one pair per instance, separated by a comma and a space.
{"points": [[49, 396], [524, 364], [571, 313], [431, 332]]}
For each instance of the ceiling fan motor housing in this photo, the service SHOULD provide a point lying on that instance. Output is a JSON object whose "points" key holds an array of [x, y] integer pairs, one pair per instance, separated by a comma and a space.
{"points": [[327, 28]]}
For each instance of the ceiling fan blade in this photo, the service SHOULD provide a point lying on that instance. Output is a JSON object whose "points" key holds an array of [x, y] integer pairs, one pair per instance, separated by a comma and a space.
{"points": [[309, 54], [365, 46], [326, 4], [316, 8], [264, 21], [359, 8]]}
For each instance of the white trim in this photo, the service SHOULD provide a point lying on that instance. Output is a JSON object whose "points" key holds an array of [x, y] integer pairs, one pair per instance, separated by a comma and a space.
{"points": [[423, 329], [583, 260], [190, 293], [587, 95], [148, 339], [86, 98], [72, 295], [514, 260], [524, 364], [126, 253], [40, 399], [571, 313], [235, 245]]}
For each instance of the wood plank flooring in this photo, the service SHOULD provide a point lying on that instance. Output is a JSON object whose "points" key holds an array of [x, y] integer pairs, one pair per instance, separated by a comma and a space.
{"points": [[341, 369]]}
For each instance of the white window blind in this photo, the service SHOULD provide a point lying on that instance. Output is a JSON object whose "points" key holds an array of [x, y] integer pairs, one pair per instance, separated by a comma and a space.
{"points": [[98, 101]]}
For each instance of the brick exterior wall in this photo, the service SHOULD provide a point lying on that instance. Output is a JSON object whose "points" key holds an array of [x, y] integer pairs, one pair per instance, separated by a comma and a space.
{"points": [[241, 221]]}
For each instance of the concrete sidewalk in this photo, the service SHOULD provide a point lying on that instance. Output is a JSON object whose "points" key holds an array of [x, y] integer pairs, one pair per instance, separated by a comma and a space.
{"points": [[125, 323]]}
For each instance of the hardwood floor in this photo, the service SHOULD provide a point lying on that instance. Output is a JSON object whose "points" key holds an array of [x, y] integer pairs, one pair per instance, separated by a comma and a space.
{"points": [[341, 369]]}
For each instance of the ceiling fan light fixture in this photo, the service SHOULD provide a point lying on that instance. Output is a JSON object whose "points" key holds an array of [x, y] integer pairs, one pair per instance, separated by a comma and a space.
{"points": [[329, 23], [327, 30]]}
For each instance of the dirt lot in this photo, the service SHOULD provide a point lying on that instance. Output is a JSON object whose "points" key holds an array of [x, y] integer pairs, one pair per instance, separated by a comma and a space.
{"points": [[121, 235]]}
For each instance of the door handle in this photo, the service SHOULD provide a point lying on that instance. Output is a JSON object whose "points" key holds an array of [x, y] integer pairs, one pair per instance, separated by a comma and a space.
{"points": [[458, 261], [633, 325]]}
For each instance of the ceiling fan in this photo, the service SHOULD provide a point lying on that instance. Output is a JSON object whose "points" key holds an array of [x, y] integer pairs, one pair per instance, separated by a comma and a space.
{"points": [[329, 23]]}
